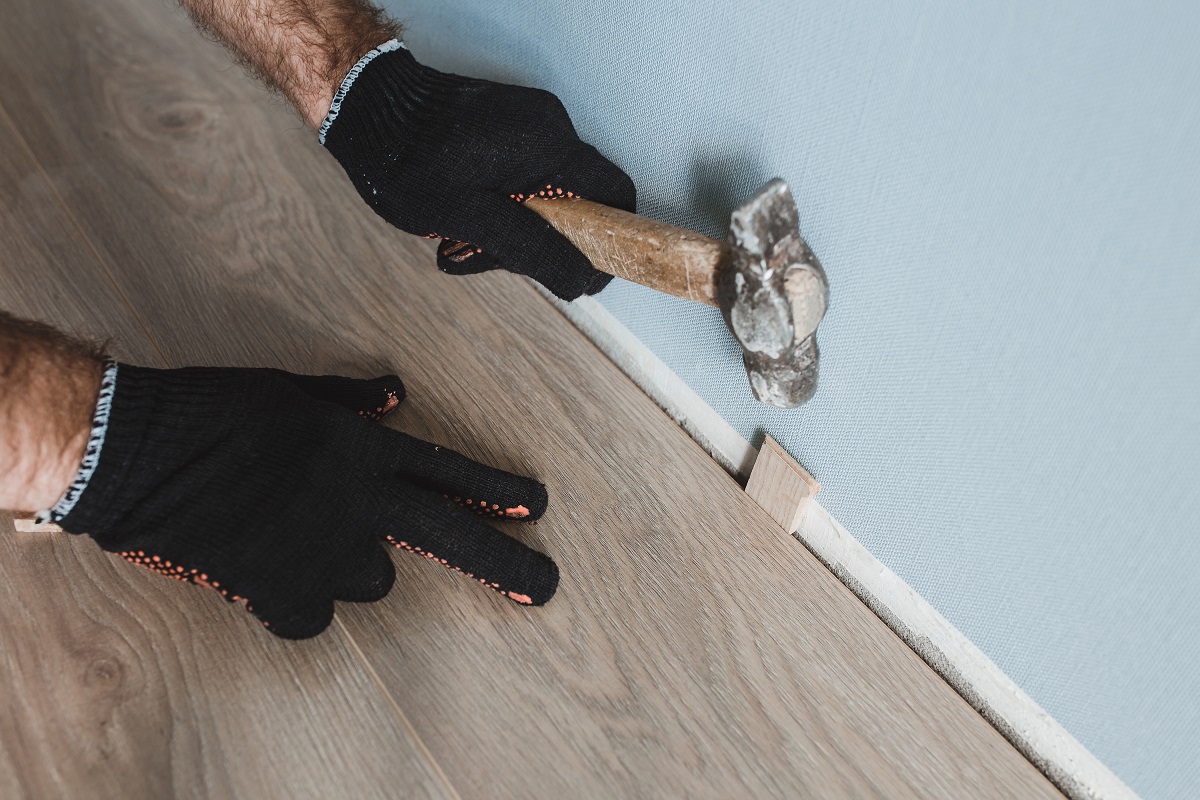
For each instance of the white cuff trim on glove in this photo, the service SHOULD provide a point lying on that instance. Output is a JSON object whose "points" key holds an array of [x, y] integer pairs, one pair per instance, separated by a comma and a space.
{"points": [[91, 456], [336, 105]]}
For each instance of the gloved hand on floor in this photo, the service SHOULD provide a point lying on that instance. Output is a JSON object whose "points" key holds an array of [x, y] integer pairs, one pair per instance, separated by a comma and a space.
{"points": [[273, 489], [444, 156]]}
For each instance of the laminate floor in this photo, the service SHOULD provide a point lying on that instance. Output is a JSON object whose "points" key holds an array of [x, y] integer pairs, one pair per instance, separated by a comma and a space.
{"points": [[150, 192]]}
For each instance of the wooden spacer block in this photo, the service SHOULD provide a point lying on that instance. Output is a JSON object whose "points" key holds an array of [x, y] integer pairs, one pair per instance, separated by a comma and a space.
{"points": [[25, 523], [780, 485]]}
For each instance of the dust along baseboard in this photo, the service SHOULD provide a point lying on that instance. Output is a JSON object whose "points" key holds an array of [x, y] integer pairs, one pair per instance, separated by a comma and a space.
{"points": [[1032, 731]]}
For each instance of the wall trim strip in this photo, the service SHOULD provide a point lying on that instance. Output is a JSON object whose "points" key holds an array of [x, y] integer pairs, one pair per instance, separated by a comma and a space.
{"points": [[1027, 726]]}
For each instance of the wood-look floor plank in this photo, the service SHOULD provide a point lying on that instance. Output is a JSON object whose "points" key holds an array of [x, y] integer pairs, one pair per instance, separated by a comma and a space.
{"points": [[116, 683], [694, 648]]}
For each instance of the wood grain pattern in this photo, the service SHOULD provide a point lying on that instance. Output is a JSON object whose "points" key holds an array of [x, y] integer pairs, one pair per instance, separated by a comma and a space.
{"points": [[117, 683], [695, 649], [667, 259], [25, 522], [781, 486]]}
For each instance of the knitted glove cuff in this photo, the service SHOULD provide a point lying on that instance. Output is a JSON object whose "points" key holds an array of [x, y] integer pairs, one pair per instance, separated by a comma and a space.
{"points": [[393, 99], [336, 106], [91, 454], [167, 412]]}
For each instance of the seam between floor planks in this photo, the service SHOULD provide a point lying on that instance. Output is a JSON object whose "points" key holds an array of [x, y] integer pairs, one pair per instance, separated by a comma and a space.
{"points": [[33, 159], [395, 706], [153, 342], [142, 332], [750, 662]]}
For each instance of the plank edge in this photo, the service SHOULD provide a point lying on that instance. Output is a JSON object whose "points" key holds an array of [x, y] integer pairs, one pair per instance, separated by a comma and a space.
{"points": [[24, 522], [1036, 735]]}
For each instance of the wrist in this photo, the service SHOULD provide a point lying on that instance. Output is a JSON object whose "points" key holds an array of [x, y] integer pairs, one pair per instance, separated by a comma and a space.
{"points": [[47, 474], [303, 50], [66, 477], [138, 408], [326, 86], [48, 387], [332, 108]]}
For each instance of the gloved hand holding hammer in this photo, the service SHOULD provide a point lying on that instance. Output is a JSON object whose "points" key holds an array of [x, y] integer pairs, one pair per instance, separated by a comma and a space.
{"points": [[434, 154], [448, 157], [280, 491], [272, 488]]}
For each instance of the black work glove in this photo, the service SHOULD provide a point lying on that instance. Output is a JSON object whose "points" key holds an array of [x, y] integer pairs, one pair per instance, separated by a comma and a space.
{"points": [[443, 156], [271, 489]]}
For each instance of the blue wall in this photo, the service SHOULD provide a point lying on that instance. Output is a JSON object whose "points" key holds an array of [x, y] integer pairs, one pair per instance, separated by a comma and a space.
{"points": [[1007, 202]]}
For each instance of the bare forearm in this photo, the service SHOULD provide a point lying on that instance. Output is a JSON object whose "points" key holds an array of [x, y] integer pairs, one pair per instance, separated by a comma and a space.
{"points": [[303, 48], [48, 388]]}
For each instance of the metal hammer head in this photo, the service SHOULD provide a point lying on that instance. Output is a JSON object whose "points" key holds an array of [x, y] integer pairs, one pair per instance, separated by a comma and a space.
{"points": [[773, 295]]}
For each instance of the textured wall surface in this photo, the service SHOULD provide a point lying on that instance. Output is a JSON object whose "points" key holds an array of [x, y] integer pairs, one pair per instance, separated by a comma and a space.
{"points": [[1007, 201]]}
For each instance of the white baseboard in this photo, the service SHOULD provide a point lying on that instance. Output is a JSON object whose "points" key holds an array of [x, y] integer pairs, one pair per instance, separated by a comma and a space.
{"points": [[1032, 731], [657, 380]]}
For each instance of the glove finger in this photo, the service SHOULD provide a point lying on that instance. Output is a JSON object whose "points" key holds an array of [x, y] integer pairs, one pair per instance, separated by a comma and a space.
{"points": [[368, 577], [602, 279], [464, 258], [586, 174], [289, 617], [436, 528], [485, 490], [373, 398], [524, 243], [590, 176], [277, 608]]}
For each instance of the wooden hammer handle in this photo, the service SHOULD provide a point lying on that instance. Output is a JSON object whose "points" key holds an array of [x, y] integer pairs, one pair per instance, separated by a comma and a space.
{"points": [[654, 254]]}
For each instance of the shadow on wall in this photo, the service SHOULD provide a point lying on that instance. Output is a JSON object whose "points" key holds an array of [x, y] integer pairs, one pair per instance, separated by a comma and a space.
{"points": [[710, 175], [1006, 198], [722, 180]]}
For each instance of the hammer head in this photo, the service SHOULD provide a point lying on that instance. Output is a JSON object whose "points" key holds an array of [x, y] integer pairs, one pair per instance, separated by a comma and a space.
{"points": [[773, 296]]}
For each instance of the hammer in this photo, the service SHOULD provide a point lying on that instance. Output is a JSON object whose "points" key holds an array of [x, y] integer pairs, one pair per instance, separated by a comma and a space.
{"points": [[768, 284]]}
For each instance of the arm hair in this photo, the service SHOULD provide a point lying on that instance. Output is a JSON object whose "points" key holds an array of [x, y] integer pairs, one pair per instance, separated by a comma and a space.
{"points": [[301, 48], [49, 382]]}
